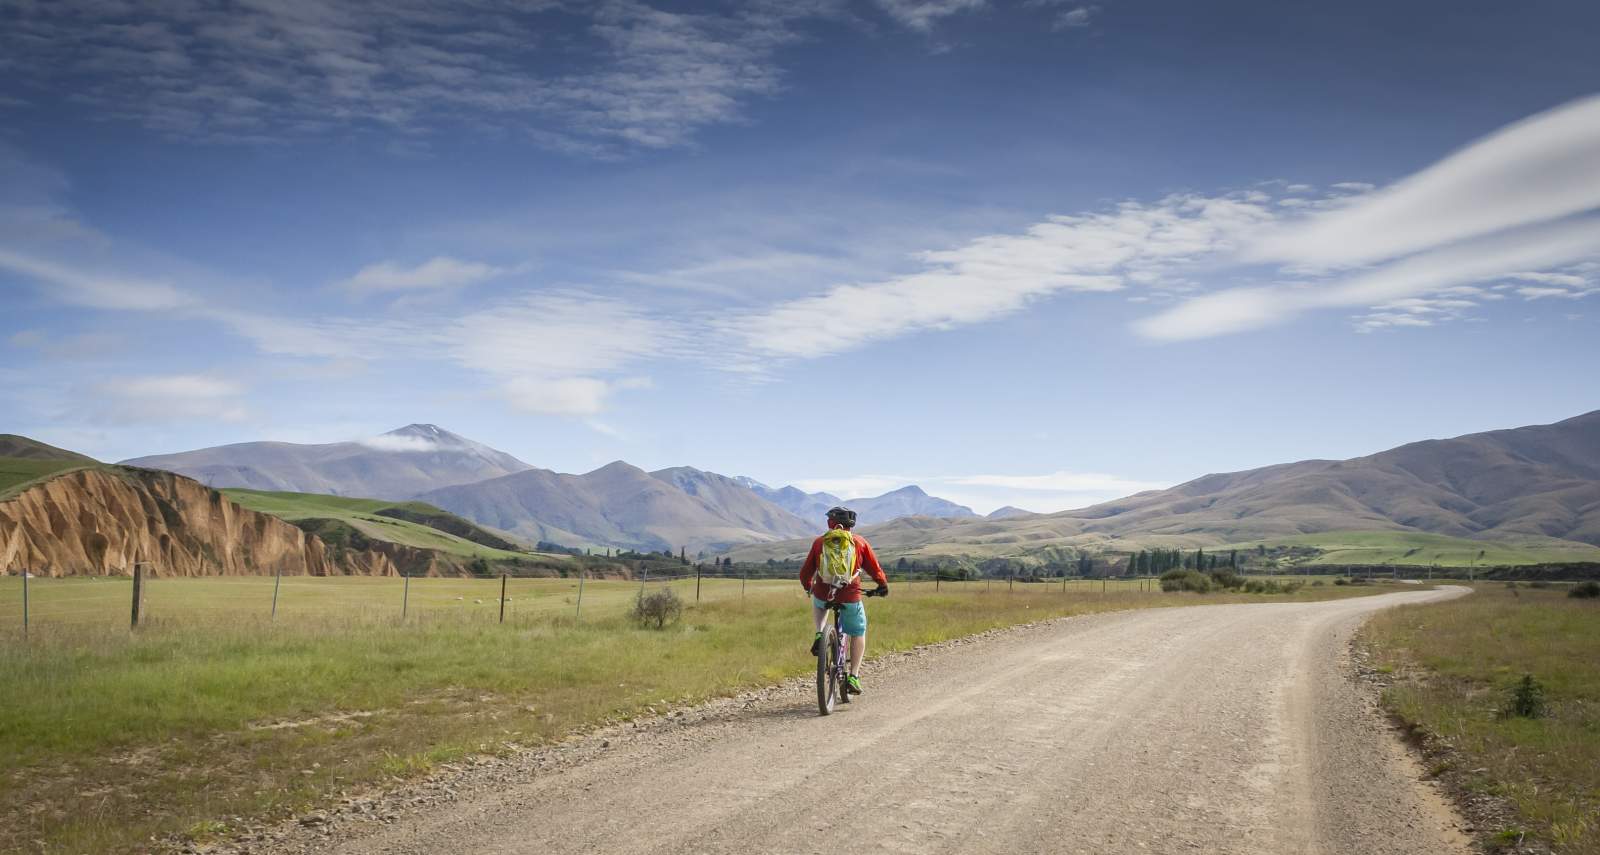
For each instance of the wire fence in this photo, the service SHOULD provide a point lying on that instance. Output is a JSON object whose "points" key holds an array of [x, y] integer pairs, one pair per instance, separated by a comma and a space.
{"points": [[30, 605]]}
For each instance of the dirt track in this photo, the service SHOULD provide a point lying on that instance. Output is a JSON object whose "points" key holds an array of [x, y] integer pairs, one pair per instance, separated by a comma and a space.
{"points": [[1211, 729]]}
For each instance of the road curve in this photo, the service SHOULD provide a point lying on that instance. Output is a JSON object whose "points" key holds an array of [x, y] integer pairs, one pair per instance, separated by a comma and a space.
{"points": [[1228, 728]]}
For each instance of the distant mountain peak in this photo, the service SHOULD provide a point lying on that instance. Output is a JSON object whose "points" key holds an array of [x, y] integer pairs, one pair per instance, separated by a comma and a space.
{"points": [[750, 483]]}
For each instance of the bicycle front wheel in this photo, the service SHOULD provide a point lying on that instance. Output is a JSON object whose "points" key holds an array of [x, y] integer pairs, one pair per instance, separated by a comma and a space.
{"points": [[828, 672]]}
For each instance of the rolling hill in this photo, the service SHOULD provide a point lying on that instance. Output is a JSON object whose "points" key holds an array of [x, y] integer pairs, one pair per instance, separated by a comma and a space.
{"points": [[24, 461], [396, 465], [1536, 486]]}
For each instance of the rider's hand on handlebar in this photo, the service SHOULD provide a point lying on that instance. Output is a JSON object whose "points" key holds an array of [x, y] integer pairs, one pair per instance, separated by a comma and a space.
{"points": [[881, 591]]}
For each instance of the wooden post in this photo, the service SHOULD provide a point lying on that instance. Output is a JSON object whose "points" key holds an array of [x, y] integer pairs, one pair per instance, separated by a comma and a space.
{"points": [[502, 598], [405, 596], [1011, 584], [744, 579], [277, 579], [579, 613], [1102, 584], [138, 593], [936, 581], [25, 603], [697, 582], [1063, 581], [644, 576]]}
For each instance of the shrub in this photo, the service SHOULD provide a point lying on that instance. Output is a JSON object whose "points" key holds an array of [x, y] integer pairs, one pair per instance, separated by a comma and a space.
{"points": [[1527, 699], [1341, 581], [661, 608], [1318, 583], [1539, 583], [1585, 590], [1226, 579], [1185, 580]]}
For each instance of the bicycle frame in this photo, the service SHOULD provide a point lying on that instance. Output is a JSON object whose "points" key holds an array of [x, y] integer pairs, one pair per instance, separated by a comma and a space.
{"points": [[835, 664]]}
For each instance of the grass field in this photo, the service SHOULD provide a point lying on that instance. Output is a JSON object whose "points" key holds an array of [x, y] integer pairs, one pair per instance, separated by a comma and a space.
{"points": [[1419, 549], [17, 473], [212, 711], [362, 515], [1455, 664]]}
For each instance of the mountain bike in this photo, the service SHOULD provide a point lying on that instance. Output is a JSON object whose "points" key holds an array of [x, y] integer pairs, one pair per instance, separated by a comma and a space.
{"points": [[833, 660]]}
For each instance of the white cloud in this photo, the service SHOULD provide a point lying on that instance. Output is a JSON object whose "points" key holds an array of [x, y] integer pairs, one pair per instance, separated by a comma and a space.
{"points": [[1074, 18], [165, 398], [392, 442], [93, 289], [556, 353], [1536, 170], [440, 272], [1240, 309], [281, 71], [998, 275], [921, 15]]}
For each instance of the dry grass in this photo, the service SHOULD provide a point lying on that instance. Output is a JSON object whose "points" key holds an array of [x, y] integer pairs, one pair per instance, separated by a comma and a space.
{"points": [[109, 736], [1456, 664]]}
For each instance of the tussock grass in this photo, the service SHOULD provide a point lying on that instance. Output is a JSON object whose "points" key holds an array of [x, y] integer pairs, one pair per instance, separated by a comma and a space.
{"points": [[1459, 663], [108, 736]]}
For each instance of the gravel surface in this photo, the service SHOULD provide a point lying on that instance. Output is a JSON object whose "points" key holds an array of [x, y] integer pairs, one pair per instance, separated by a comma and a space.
{"points": [[1232, 728]]}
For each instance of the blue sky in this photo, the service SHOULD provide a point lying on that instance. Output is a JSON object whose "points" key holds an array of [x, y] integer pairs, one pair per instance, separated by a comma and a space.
{"points": [[1037, 253]]}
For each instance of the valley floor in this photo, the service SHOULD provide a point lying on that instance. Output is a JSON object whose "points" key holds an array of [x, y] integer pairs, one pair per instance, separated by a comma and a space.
{"points": [[1229, 728]]}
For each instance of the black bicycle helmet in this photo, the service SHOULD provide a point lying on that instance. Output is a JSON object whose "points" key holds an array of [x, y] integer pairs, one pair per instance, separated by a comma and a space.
{"points": [[843, 516]]}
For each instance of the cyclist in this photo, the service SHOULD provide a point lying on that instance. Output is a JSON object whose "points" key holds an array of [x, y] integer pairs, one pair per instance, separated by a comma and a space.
{"points": [[828, 583]]}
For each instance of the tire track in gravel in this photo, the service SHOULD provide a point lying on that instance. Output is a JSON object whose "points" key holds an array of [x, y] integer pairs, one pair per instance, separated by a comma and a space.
{"points": [[1228, 728]]}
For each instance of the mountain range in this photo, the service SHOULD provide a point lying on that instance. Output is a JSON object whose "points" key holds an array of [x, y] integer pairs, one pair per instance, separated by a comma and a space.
{"points": [[617, 505], [1537, 484], [396, 465]]}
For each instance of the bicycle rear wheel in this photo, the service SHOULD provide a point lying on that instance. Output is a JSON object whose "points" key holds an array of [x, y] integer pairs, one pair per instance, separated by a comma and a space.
{"points": [[828, 672]]}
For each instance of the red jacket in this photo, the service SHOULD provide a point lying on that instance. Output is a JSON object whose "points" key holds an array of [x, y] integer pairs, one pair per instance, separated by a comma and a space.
{"points": [[851, 593]]}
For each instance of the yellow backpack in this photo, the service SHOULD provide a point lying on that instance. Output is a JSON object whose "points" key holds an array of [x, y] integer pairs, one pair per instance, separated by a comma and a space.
{"points": [[837, 567]]}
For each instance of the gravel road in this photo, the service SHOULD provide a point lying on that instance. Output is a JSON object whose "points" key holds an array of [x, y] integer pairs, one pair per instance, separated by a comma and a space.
{"points": [[1231, 728]]}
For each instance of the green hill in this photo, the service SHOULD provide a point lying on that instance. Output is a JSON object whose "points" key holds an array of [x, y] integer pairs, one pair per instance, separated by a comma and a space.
{"points": [[1413, 549], [24, 461], [408, 523]]}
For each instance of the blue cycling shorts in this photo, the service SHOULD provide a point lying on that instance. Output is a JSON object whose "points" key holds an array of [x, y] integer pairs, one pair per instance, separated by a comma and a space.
{"points": [[852, 617]]}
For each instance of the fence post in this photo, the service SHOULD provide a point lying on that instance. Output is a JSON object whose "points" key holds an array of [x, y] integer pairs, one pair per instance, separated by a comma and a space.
{"points": [[1102, 584], [697, 582], [579, 613], [25, 603], [138, 593], [1011, 584], [744, 579], [502, 598], [277, 580], [405, 596], [936, 581], [644, 576]]}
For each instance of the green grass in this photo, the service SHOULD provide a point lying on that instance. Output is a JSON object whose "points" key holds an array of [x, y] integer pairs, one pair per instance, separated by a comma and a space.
{"points": [[1456, 664], [211, 711], [362, 515], [18, 473], [1419, 549]]}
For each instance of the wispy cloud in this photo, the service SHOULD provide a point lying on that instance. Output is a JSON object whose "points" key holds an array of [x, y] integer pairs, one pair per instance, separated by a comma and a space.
{"points": [[1501, 207], [560, 354], [438, 273], [297, 69], [1536, 170], [93, 289], [997, 275], [922, 15], [392, 442], [1066, 14], [165, 398]]}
